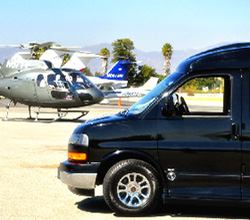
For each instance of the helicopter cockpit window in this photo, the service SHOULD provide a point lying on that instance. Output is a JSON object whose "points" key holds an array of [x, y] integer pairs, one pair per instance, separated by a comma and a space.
{"points": [[51, 81], [79, 81], [41, 81], [57, 81]]}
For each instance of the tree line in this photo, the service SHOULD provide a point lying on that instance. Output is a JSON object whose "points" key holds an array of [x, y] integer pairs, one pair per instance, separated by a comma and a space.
{"points": [[138, 74]]}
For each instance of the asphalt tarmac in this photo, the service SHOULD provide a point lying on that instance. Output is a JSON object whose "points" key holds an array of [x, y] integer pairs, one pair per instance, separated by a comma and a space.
{"points": [[30, 153]]}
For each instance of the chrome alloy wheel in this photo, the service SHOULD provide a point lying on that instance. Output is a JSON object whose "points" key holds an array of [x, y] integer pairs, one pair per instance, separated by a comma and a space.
{"points": [[133, 189]]}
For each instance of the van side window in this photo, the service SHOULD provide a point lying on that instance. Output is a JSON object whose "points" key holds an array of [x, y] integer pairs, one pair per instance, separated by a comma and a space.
{"points": [[203, 96]]}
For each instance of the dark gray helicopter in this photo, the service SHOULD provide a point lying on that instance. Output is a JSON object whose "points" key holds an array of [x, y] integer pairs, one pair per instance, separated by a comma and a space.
{"points": [[35, 83]]}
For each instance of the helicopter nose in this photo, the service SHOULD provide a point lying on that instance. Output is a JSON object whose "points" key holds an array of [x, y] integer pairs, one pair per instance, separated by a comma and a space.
{"points": [[93, 95]]}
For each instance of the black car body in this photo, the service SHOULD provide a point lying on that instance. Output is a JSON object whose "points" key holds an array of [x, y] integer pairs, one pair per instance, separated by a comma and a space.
{"points": [[160, 149]]}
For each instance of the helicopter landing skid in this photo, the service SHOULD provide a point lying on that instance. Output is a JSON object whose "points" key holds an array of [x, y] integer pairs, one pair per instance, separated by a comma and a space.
{"points": [[61, 114]]}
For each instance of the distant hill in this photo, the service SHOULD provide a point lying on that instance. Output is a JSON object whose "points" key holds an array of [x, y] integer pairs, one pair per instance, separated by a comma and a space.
{"points": [[152, 59]]}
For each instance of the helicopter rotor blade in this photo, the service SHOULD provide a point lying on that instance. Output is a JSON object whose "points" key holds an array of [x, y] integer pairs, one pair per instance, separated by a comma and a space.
{"points": [[31, 45]]}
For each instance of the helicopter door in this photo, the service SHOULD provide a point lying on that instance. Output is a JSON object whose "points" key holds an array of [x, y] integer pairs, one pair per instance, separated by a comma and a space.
{"points": [[59, 88], [42, 89], [23, 89]]}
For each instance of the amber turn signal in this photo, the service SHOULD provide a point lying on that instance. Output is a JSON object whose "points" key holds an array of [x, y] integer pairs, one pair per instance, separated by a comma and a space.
{"points": [[77, 156]]}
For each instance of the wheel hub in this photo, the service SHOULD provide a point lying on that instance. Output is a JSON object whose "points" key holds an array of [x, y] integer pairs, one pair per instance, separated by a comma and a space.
{"points": [[133, 189]]}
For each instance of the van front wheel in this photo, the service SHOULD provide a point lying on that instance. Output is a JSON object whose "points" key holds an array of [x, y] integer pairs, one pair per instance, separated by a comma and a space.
{"points": [[132, 187]]}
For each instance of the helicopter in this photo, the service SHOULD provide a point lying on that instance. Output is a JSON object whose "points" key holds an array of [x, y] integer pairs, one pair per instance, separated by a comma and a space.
{"points": [[36, 83], [115, 77]]}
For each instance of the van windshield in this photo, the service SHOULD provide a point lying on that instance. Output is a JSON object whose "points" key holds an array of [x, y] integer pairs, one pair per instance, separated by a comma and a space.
{"points": [[149, 98]]}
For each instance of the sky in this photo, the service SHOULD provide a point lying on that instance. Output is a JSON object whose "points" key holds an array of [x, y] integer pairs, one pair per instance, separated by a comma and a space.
{"points": [[185, 24]]}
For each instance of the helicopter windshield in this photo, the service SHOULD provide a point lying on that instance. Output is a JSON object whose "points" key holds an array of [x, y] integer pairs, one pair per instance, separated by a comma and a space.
{"points": [[79, 80]]}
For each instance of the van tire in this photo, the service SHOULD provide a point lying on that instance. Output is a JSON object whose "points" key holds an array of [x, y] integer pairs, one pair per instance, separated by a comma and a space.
{"points": [[132, 187]]}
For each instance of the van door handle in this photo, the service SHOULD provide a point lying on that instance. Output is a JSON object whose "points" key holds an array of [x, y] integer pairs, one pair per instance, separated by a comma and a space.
{"points": [[235, 131]]}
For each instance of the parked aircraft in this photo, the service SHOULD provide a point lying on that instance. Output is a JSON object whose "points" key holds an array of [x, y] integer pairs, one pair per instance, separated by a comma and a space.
{"points": [[36, 83], [132, 92], [79, 59], [116, 76]]}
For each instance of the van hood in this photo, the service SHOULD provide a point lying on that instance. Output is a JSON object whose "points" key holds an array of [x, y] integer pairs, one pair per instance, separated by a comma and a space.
{"points": [[100, 122]]}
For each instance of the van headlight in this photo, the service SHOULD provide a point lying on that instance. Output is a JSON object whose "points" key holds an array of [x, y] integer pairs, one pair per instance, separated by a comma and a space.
{"points": [[80, 139]]}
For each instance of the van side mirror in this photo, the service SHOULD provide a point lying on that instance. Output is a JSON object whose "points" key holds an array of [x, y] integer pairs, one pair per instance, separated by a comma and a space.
{"points": [[168, 109]]}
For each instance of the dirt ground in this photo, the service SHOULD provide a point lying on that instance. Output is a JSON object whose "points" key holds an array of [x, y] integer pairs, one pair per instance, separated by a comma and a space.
{"points": [[29, 189]]}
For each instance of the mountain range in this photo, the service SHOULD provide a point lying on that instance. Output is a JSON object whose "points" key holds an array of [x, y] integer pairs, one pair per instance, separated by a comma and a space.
{"points": [[153, 59]]}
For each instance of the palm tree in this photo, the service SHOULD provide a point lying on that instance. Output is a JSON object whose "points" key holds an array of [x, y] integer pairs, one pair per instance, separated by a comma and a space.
{"points": [[105, 55], [167, 51]]}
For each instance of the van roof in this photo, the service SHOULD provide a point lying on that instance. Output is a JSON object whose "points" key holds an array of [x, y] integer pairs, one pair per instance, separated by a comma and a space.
{"points": [[232, 56]]}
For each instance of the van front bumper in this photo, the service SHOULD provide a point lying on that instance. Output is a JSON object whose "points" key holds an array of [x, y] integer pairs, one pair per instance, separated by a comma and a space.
{"points": [[81, 179]]}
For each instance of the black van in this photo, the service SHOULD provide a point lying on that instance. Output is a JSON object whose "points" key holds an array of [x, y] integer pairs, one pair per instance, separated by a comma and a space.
{"points": [[186, 140]]}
